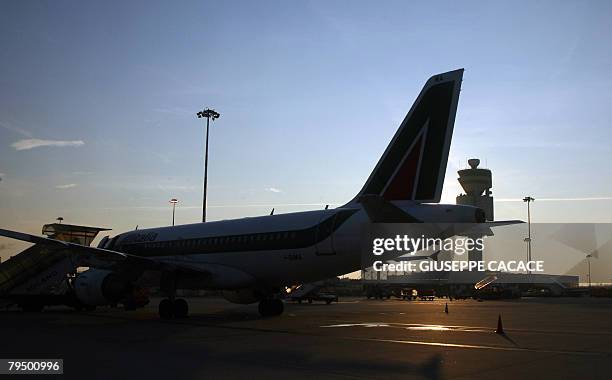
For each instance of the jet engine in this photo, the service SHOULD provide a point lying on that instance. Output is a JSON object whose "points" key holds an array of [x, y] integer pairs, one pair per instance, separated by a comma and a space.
{"points": [[96, 287]]}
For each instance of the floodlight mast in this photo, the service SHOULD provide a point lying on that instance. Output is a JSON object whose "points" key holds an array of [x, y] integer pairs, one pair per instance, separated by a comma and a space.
{"points": [[588, 257], [528, 200], [174, 201], [208, 113]]}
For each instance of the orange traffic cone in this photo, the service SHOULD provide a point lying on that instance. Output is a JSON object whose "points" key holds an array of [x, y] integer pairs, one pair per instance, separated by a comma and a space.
{"points": [[446, 308], [500, 328]]}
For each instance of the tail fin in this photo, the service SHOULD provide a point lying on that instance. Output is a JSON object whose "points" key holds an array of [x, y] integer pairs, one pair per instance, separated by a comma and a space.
{"points": [[414, 163]]}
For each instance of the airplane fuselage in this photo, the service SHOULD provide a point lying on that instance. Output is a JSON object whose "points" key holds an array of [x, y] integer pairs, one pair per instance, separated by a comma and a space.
{"points": [[275, 250]]}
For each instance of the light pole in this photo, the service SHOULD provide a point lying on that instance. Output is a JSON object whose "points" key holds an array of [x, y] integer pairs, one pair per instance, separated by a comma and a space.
{"points": [[208, 114], [174, 201], [528, 199], [588, 257]]}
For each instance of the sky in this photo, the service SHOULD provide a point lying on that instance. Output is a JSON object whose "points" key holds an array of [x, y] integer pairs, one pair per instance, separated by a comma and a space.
{"points": [[98, 104]]}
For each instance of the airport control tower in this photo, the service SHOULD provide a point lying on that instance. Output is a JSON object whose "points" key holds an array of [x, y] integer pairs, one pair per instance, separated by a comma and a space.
{"points": [[476, 183]]}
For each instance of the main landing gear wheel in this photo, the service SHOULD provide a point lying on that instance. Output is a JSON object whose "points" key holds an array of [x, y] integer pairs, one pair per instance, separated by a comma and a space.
{"points": [[166, 309], [169, 309], [181, 309], [271, 307]]}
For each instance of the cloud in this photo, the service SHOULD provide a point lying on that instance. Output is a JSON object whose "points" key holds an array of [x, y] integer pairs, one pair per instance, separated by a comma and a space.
{"points": [[66, 186], [12, 128], [35, 143], [170, 187], [174, 110], [577, 199], [273, 190]]}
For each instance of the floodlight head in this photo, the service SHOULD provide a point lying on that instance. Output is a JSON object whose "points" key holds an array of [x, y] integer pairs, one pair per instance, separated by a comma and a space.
{"points": [[209, 114], [173, 200]]}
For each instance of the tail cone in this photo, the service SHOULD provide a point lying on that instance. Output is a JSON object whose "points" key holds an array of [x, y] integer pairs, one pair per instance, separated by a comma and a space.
{"points": [[500, 328]]}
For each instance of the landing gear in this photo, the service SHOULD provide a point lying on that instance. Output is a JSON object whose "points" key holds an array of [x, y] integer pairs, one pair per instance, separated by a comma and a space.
{"points": [[181, 309], [177, 308], [171, 307], [166, 309], [271, 307]]}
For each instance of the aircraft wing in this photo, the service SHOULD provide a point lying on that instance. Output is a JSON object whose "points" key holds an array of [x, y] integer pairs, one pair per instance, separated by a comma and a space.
{"points": [[503, 223], [99, 257], [485, 228]]}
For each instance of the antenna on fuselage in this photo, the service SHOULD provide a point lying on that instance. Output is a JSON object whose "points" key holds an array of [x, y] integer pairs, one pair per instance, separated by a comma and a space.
{"points": [[272, 212], [326, 207]]}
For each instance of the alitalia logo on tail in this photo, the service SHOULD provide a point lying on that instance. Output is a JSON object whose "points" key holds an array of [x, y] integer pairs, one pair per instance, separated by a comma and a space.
{"points": [[413, 165], [404, 181]]}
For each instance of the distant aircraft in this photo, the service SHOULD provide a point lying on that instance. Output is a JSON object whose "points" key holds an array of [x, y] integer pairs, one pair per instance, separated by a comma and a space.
{"points": [[253, 259]]}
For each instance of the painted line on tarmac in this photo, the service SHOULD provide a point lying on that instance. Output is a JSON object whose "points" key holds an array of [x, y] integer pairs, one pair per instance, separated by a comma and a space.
{"points": [[410, 326], [480, 347], [429, 327]]}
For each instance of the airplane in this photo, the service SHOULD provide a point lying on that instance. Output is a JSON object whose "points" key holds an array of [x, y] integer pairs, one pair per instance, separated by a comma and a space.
{"points": [[253, 259]]}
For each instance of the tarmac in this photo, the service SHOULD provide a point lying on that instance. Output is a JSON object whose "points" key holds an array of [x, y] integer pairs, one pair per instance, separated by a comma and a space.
{"points": [[355, 338]]}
